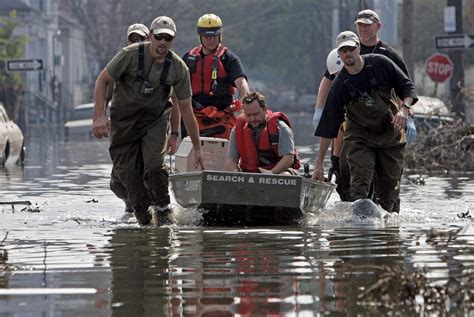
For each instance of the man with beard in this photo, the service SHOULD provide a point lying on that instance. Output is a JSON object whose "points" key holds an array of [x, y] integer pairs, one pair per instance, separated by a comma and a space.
{"points": [[262, 140], [365, 93], [137, 33], [368, 24], [145, 77]]}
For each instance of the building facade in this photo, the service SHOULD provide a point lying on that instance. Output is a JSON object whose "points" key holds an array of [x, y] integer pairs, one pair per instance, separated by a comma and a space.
{"points": [[58, 40]]}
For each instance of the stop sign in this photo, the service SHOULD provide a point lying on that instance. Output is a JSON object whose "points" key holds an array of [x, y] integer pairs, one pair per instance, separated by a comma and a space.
{"points": [[439, 67]]}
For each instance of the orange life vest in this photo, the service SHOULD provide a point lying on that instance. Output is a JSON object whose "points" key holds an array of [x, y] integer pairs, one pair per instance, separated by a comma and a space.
{"points": [[216, 123], [265, 154], [208, 77], [207, 70]]}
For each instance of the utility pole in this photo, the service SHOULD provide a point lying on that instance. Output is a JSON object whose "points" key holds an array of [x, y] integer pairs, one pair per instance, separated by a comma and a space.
{"points": [[407, 37], [457, 56], [345, 21]]}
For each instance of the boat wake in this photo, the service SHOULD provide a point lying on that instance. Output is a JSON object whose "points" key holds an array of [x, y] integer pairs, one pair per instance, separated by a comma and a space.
{"points": [[362, 211]]}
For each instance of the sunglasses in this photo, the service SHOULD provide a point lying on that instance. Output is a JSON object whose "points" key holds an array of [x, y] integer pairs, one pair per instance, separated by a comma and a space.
{"points": [[166, 37], [346, 49], [366, 16]]}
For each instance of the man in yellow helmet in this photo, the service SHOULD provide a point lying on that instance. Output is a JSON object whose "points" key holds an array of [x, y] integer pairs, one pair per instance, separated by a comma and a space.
{"points": [[215, 73]]}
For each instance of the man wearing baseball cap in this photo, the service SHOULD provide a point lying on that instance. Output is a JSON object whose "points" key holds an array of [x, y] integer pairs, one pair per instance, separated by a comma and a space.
{"points": [[137, 33], [368, 24], [145, 76], [375, 125], [346, 38], [163, 25]]}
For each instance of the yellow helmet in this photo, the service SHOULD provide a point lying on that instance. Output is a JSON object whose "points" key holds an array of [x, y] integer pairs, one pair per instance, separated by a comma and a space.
{"points": [[209, 25]]}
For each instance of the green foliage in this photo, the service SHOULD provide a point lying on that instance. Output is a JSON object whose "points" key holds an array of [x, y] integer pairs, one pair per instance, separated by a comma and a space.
{"points": [[11, 46]]}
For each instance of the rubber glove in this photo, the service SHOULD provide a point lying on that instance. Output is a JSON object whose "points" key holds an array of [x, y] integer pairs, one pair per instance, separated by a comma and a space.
{"points": [[411, 130], [334, 170], [317, 116]]}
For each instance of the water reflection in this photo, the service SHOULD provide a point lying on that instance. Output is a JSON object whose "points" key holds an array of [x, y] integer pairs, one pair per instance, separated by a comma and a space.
{"points": [[257, 272]]}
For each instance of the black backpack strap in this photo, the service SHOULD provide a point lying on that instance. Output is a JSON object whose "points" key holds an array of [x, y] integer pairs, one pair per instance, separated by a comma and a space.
{"points": [[352, 92], [141, 62], [372, 79], [164, 72], [192, 60], [215, 66]]}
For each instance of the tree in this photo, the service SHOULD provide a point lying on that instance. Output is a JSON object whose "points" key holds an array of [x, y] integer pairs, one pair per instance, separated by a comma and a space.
{"points": [[11, 47]]}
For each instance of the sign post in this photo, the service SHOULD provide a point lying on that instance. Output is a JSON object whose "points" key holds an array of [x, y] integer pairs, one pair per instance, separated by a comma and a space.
{"points": [[18, 65], [440, 68]]}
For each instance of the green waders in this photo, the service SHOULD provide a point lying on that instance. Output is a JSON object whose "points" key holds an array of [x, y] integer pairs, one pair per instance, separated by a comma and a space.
{"points": [[344, 180], [139, 175], [373, 146]]}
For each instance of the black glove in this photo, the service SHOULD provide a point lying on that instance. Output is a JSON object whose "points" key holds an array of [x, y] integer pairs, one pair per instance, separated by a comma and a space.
{"points": [[334, 170]]}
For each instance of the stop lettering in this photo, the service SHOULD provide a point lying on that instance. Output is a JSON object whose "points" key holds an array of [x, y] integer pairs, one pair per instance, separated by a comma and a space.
{"points": [[439, 67]]}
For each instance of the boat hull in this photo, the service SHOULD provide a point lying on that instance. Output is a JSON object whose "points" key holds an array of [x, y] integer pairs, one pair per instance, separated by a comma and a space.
{"points": [[242, 197]]}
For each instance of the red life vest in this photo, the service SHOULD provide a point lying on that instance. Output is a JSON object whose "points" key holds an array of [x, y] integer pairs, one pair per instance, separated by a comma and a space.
{"points": [[265, 154], [207, 71], [215, 123]]}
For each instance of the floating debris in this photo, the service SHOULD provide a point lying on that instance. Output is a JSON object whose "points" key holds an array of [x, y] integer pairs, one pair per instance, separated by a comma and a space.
{"points": [[449, 147], [419, 181], [399, 290], [31, 208], [464, 215], [3, 255], [18, 202], [93, 200], [436, 237]]}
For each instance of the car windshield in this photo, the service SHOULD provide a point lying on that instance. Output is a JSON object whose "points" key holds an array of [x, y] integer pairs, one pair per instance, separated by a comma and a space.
{"points": [[3, 115]]}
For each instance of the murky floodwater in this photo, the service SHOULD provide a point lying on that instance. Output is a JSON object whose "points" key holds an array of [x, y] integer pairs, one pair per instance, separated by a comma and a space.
{"points": [[77, 254]]}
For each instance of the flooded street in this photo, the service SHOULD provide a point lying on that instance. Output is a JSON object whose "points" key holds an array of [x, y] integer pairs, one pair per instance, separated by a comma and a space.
{"points": [[75, 252]]}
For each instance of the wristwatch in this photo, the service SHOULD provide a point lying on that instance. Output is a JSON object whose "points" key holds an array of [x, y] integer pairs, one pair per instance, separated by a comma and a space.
{"points": [[406, 106], [175, 133]]}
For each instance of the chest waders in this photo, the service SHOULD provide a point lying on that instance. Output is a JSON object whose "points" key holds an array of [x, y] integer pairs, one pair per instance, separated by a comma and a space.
{"points": [[139, 175], [374, 149]]}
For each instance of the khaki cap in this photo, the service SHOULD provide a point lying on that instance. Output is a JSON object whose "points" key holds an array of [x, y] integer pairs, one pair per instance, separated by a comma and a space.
{"points": [[346, 38], [367, 17], [163, 24], [138, 28]]}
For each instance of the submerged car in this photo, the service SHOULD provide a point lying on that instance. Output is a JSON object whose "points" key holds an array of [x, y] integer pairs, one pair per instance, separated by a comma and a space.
{"points": [[80, 121], [12, 147]]}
